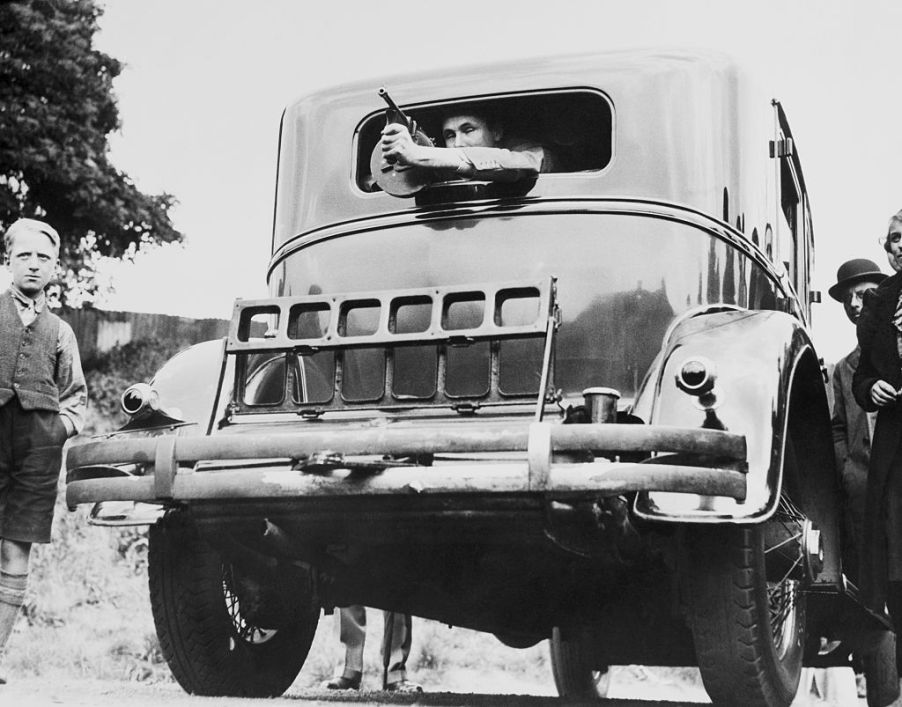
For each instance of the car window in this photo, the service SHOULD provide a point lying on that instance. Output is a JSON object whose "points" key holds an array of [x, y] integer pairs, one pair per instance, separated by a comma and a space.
{"points": [[573, 126]]}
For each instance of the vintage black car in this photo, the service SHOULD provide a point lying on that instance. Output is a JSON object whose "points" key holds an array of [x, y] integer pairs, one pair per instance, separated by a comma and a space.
{"points": [[582, 407]]}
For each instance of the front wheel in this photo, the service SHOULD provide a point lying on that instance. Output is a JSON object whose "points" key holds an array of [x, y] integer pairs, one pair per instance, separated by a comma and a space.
{"points": [[212, 646], [748, 626], [576, 675]]}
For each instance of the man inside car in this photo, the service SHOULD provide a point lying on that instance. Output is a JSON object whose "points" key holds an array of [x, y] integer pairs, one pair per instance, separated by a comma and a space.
{"points": [[475, 147]]}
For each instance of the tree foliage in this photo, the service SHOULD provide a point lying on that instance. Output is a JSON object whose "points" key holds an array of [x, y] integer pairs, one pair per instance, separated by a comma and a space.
{"points": [[57, 109]]}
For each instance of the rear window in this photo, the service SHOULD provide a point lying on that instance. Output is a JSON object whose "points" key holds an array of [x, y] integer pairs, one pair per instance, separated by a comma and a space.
{"points": [[574, 126]]}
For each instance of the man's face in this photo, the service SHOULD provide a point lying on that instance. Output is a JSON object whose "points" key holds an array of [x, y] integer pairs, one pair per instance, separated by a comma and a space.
{"points": [[854, 299], [894, 245], [468, 131], [32, 259]]}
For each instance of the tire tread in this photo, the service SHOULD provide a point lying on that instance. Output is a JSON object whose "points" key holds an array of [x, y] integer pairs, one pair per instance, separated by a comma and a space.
{"points": [[195, 630], [732, 652]]}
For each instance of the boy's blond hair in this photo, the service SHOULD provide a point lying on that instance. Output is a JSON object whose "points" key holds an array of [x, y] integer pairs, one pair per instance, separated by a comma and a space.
{"points": [[33, 225]]}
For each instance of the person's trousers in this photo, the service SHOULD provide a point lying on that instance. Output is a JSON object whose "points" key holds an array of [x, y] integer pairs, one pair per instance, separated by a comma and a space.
{"points": [[396, 638], [31, 446]]}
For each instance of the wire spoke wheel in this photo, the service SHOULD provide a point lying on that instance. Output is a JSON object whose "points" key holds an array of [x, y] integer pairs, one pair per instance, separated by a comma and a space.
{"points": [[210, 644], [244, 629], [746, 608], [783, 593]]}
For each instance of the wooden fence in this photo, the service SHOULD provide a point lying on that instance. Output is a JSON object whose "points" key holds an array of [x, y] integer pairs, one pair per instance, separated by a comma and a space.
{"points": [[98, 330]]}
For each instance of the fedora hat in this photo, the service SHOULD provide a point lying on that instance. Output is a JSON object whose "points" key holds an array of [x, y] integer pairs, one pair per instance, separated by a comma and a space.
{"points": [[853, 271]]}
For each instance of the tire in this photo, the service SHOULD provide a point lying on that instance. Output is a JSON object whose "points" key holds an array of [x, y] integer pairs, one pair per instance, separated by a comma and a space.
{"points": [[879, 667], [749, 633], [517, 640], [575, 675], [210, 647]]}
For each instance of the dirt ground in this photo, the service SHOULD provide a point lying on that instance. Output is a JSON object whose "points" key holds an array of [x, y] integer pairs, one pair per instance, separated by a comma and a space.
{"points": [[631, 687], [462, 689]]}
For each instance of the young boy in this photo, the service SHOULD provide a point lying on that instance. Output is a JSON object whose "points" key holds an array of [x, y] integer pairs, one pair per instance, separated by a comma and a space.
{"points": [[42, 403]]}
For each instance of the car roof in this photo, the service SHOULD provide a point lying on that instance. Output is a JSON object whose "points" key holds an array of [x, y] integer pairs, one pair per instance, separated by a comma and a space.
{"points": [[677, 135]]}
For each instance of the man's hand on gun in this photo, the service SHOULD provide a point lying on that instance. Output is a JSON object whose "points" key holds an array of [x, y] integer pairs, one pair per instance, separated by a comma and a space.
{"points": [[398, 146], [404, 159]]}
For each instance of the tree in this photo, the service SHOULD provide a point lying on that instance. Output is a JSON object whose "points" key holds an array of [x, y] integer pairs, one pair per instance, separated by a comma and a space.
{"points": [[57, 109]]}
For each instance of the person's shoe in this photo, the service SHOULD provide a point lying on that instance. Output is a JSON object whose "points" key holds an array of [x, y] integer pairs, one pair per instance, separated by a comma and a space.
{"points": [[2, 681], [343, 683], [403, 686]]}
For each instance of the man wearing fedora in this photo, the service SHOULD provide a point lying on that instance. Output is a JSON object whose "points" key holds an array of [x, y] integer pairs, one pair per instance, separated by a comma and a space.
{"points": [[852, 426]]}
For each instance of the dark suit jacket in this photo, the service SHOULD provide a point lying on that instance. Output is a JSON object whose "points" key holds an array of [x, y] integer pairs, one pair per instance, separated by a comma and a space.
{"points": [[877, 337], [852, 448]]}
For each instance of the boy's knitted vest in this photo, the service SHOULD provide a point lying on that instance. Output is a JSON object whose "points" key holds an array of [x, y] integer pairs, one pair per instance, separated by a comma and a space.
{"points": [[28, 357]]}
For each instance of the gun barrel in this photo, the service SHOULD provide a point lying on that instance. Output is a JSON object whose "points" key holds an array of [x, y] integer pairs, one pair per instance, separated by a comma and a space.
{"points": [[389, 100]]}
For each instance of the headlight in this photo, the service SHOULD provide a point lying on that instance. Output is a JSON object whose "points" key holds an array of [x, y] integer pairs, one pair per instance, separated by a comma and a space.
{"points": [[139, 400]]}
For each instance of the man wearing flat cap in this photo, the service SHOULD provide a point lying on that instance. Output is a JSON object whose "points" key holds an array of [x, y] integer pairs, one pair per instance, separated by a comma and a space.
{"points": [[42, 403], [852, 426]]}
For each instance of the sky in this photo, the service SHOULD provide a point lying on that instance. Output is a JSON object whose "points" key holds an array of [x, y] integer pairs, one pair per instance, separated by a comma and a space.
{"points": [[205, 81]]}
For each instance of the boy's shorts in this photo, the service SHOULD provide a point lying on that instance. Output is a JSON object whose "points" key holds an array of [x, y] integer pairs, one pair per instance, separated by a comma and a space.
{"points": [[31, 446]]}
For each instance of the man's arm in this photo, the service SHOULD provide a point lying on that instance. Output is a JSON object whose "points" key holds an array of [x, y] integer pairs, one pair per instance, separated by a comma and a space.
{"points": [[70, 381], [398, 147], [499, 164], [489, 163]]}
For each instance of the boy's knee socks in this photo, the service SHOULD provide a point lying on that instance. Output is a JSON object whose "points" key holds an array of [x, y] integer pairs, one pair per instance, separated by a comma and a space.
{"points": [[12, 596]]}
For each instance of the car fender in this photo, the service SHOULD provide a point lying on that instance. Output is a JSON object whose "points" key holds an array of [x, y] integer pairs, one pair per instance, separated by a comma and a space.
{"points": [[770, 388], [190, 386]]}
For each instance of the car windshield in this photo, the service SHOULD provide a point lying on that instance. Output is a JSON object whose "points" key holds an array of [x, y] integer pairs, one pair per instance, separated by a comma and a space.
{"points": [[621, 279]]}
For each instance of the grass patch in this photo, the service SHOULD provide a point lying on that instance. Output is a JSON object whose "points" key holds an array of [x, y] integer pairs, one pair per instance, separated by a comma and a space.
{"points": [[87, 610]]}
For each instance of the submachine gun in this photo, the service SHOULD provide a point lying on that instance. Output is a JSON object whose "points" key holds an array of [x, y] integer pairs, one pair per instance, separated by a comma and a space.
{"points": [[396, 179]]}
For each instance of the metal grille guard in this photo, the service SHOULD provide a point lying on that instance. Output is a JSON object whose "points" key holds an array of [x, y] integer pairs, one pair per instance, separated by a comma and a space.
{"points": [[312, 325]]}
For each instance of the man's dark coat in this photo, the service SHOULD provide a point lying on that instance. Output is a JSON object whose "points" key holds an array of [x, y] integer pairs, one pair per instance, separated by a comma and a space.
{"points": [[878, 336]]}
